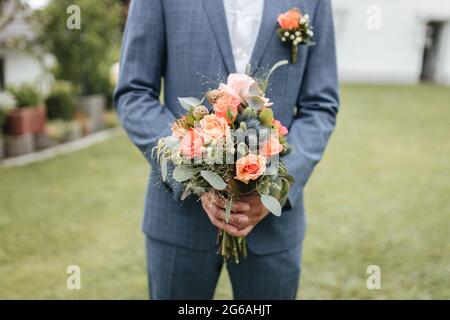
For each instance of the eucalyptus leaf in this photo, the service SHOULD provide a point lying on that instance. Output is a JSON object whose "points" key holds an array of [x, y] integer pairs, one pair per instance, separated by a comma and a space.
{"points": [[271, 204], [183, 173], [189, 102], [256, 102], [254, 90], [214, 180], [265, 83], [171, 141]]}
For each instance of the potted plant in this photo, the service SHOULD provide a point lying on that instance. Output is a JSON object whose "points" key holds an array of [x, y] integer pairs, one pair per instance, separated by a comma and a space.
{"points": [[7, 103], [30, 116], [60, 105]]}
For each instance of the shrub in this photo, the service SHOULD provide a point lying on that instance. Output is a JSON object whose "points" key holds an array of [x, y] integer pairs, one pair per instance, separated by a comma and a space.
{"points": [[26, 96], [61, 102], [7, 103]]}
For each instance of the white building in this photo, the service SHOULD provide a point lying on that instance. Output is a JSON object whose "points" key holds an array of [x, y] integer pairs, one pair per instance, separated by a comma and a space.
{"points": [[17, 64], [393, 41]]}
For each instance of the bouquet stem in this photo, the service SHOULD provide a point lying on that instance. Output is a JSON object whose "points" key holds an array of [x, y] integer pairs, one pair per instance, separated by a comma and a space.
{"points": [[231, 246]]}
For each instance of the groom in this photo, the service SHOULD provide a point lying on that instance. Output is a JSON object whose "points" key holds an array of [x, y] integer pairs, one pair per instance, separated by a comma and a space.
{"points": [[177, 41]]}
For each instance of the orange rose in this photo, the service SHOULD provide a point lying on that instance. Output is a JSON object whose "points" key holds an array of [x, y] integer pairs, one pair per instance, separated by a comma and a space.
{"points": [[227, 102], [191, 144], [271, 147], [250, 167], [290, 20], [214, 128], [278, 126], [177, 130]]}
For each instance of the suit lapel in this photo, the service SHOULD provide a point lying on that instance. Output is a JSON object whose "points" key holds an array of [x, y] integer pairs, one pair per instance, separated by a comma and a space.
{"points": [[217, 19], [267, 30]]}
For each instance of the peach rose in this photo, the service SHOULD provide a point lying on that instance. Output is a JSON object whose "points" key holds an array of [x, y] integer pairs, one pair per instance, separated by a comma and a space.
{"points": [[240, 83], [250, 167], [281, 129], [191, 144], [290, 20], [271, 147], [214, 128], [225, 102], [177, 130]]}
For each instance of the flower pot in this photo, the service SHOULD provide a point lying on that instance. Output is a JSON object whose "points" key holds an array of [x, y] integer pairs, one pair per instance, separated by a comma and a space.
{"points": [[39, 120], [19, 145], [26, 120], [93, 107], [19, 121]]}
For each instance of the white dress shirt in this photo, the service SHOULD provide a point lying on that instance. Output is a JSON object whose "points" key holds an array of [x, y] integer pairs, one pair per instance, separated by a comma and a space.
{"points": [[244, 19]]}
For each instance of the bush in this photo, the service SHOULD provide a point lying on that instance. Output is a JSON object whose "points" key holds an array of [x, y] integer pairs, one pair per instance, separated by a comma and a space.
{"points": [[26, 96], [61, 102], [7, 103]]}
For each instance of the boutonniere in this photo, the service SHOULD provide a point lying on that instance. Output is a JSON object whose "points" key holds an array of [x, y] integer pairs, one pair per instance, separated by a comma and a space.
{"points": [[295, 30]]}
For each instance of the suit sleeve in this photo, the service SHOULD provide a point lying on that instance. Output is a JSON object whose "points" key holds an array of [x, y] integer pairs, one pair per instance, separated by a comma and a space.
{"points": [[318, 103], [142, 66]]}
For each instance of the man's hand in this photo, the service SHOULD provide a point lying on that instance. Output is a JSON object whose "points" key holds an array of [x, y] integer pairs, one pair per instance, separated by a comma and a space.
{"points": [[246, 213], [214, 207]]}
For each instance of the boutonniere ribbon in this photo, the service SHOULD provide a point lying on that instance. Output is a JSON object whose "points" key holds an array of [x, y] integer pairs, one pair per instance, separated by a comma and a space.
{"points": [[295, 29]]}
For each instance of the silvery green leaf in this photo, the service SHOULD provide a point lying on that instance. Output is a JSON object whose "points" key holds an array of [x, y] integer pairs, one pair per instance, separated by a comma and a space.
{"points": [[228, 211], [189, 102], [164, 168], [275, 67], [183, 173], [214, 180], [255, 102], [254, 90], [171, 141], [271, 170], [271, 204]]}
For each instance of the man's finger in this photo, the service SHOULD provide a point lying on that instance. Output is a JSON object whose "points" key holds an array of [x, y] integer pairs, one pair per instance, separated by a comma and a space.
{"points": [[241, 233], [240, 207]]}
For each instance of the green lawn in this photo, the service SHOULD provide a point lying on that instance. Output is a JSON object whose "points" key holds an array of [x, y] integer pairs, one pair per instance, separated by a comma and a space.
{"points": [[380, 197]]}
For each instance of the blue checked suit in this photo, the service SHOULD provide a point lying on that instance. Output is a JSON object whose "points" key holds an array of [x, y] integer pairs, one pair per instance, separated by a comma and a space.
{"points": [[180, 40]]}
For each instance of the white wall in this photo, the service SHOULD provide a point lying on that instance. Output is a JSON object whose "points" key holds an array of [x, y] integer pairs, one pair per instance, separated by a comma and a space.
{"points": [[392, 53], [21, 67]]}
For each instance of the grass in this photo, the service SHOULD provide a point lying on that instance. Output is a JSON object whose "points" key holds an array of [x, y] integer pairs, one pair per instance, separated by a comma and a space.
{"points": [[380, 197]]}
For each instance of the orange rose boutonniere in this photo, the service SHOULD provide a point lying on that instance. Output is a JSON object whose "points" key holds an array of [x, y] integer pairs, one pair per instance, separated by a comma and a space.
{"points": [[295, 29]]}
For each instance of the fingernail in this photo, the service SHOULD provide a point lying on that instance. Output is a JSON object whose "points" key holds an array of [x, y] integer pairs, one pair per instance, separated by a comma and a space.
{"points": [[246, 207], [231, 229]]}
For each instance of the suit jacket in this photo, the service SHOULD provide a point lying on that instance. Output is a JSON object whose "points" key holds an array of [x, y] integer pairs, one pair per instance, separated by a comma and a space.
{"points": [[186, 42]]}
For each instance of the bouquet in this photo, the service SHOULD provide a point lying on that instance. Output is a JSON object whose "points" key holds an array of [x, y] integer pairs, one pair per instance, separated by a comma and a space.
{"points": [[233, 149]]}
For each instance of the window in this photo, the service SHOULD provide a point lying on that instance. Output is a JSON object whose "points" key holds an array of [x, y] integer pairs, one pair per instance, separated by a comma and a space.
{"points": [[430, 53]]}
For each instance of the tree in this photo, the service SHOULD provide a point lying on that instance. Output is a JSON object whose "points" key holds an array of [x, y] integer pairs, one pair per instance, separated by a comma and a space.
{"points": [[9, 10], [83, 55]]}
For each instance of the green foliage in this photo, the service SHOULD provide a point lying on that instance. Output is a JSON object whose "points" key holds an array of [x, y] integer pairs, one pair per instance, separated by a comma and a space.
{"points": [[83, 56], [61, 102], [26, 95]]}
